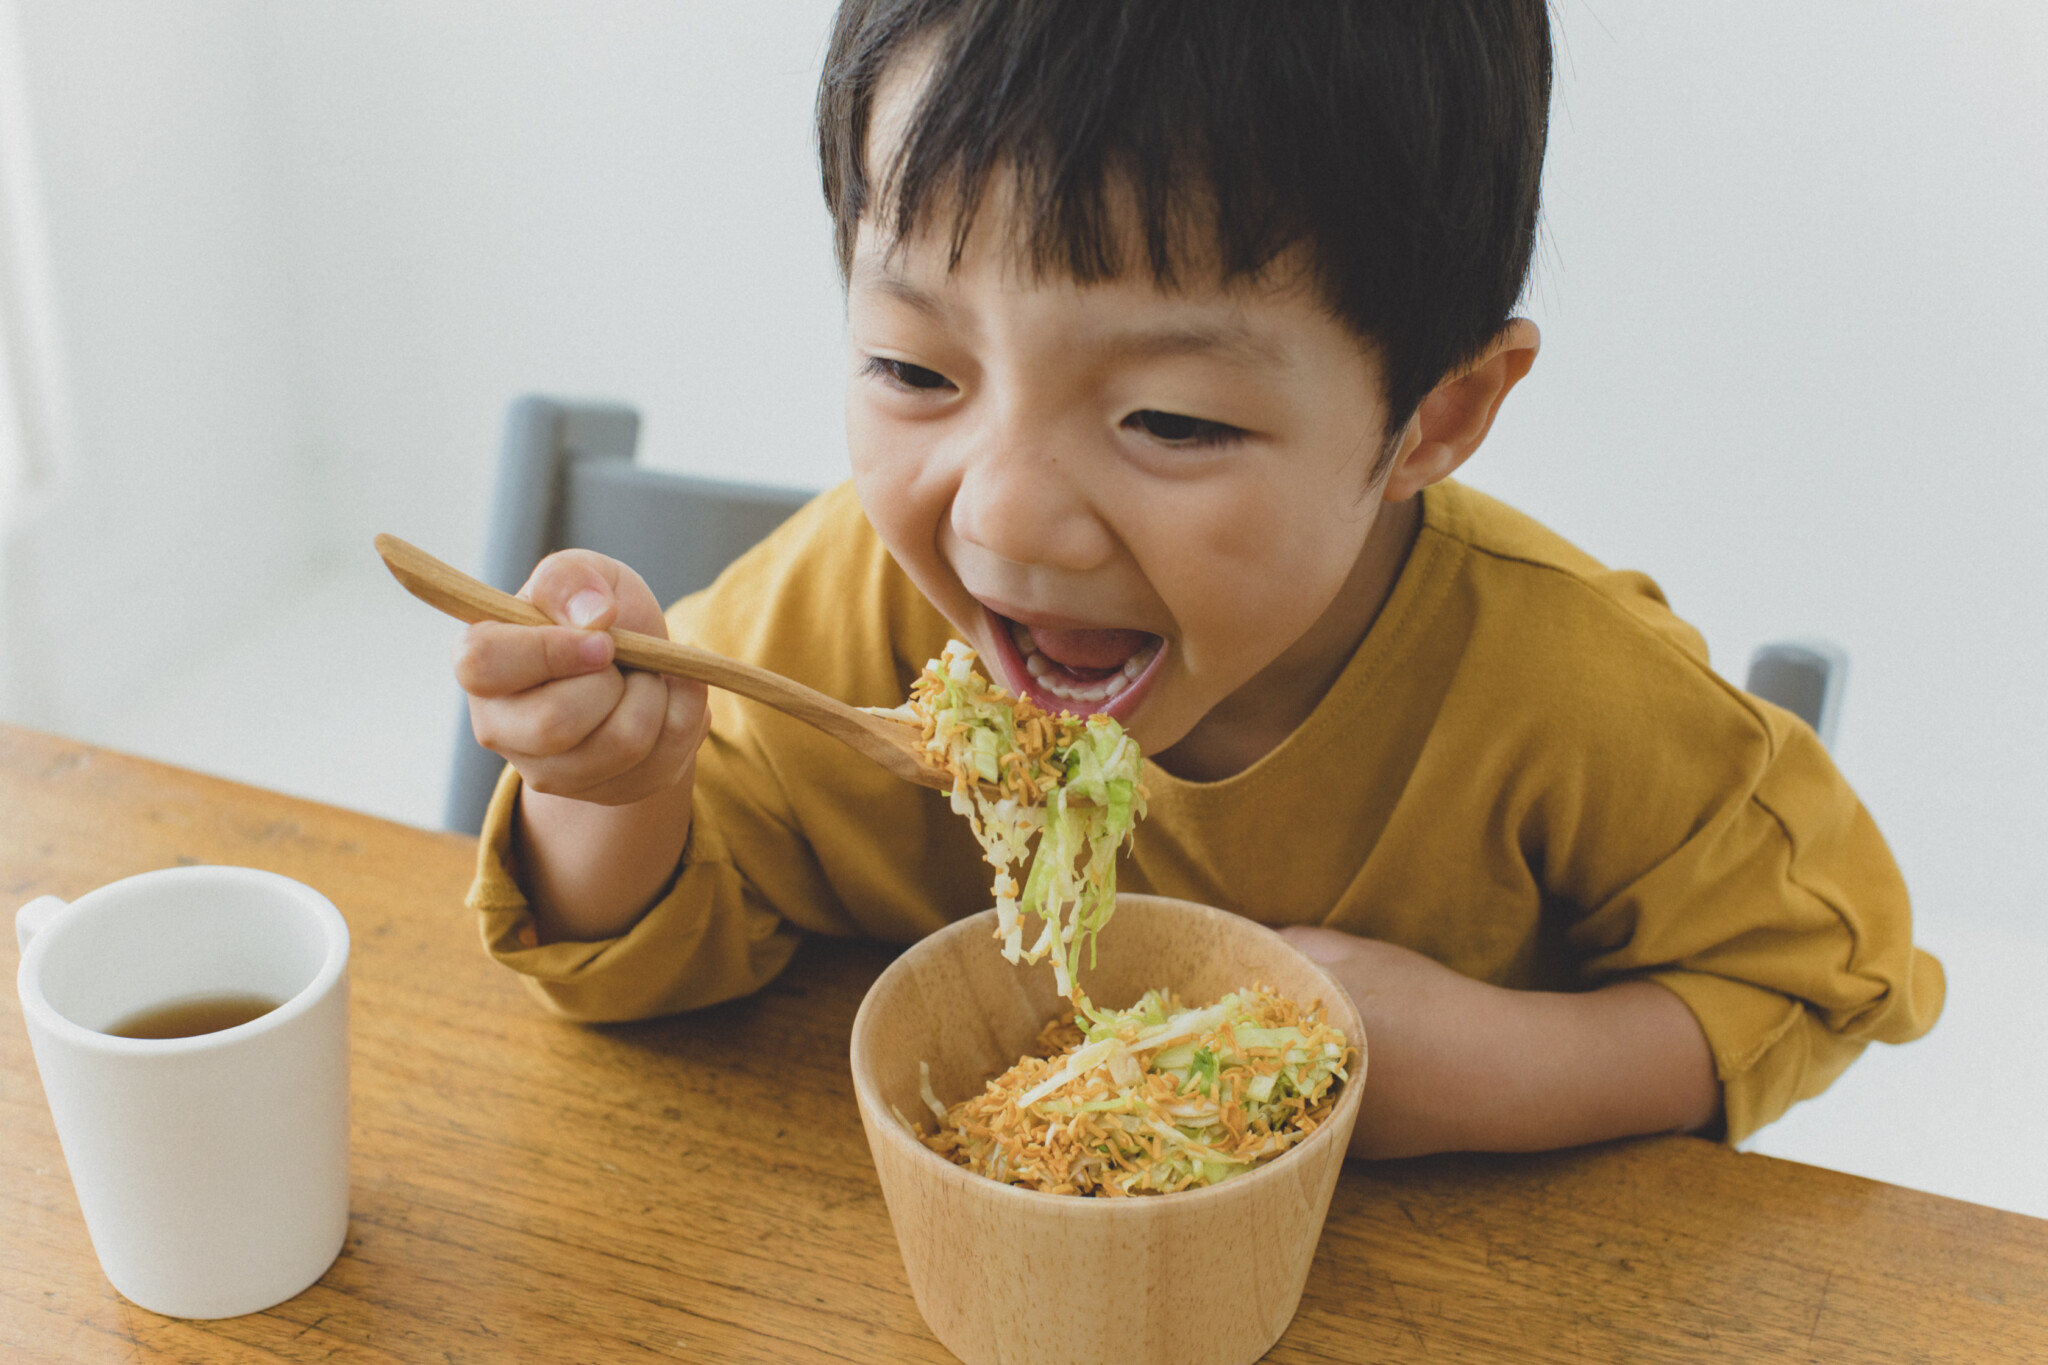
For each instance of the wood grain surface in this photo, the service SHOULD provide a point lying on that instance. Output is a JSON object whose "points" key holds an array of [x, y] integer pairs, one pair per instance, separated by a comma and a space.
{"points": [[698, 1188], [1136, 1279]]}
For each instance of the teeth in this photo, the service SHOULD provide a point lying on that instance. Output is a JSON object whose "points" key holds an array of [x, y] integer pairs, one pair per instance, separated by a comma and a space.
{"points": [[1092, 692], [1043, 671]]}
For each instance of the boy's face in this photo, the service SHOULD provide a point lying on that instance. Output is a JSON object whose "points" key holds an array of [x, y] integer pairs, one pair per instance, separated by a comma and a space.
{"points": [[1156, 505], [1151, 504]]}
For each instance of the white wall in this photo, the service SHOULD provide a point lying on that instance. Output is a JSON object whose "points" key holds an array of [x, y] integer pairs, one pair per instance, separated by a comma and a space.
{"points": [[1789, 290], [612, 200], [303, 254], [177, 507]]}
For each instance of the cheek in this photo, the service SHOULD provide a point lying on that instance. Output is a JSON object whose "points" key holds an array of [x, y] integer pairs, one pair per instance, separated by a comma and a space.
{"points": [[885, 465], [1256, 571], [902, 492]]}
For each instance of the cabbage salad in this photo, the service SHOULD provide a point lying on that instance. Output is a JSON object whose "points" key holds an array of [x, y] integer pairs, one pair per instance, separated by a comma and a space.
{"points": [[1019, 773], [1152, 1099]]}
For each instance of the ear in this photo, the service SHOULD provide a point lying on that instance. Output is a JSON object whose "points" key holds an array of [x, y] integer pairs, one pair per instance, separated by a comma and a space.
{"points": [[1457, 414]]}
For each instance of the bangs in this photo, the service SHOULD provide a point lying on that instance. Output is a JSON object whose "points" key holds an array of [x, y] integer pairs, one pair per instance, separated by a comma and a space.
{"points": [[1105, 128], [1398, 144]]}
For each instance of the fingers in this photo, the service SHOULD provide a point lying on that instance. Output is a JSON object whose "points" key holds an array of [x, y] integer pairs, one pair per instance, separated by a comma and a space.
{"points": [[549, 699], [587, 593], [609, 738], [547, 718], [585, 589], [497, 660]]}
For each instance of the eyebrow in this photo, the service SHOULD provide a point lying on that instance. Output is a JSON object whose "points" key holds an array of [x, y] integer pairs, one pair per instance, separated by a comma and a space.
{"points": [[1226, 341], [875, 276], [1229, 342]]}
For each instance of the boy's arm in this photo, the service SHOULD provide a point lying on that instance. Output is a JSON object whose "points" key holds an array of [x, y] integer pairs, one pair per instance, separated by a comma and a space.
{"points": [[1454, 1064], [607, 758], [591, 871]]}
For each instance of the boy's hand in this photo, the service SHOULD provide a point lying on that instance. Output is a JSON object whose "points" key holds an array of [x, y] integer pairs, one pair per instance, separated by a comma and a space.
{"points": [[1456, 1064], [1417, 1014], [548, 699]]}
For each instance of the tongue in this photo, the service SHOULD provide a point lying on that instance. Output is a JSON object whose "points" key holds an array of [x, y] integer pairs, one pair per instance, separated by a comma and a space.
{"points": [[1088, 651]]}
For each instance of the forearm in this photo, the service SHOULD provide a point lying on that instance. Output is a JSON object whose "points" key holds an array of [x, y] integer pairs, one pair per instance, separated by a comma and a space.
{"points": [[1505, 1070], [1574, 1068], [591, 871]]}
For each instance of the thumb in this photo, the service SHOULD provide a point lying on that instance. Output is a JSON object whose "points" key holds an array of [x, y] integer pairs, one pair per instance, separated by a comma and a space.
{"points": [[573, 589]]}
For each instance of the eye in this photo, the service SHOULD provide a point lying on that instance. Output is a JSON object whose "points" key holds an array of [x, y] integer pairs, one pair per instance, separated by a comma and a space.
{"points": [[1174, 429], [905, 374]]}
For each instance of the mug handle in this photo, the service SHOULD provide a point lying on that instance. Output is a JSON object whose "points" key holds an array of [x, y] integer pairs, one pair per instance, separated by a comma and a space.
{"points": [[34, 917]]}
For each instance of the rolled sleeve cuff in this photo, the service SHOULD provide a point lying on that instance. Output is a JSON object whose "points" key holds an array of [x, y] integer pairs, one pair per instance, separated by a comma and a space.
{"points": [[1770, 1051], [682, 954]]}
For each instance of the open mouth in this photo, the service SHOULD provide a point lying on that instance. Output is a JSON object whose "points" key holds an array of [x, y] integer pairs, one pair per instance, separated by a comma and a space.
{"points": [[1084, 670]]}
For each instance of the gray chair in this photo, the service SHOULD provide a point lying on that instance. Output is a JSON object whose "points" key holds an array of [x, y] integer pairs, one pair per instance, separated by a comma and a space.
{"points": [[566, 479], [1806, 677]]}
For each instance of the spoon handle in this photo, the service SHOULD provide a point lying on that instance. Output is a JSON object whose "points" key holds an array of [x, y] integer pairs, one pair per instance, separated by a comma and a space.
{"points": [[888, 742]]}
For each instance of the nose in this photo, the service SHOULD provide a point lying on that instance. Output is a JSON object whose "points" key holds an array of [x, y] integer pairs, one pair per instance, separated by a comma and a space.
{"points": [[1021, 500]]}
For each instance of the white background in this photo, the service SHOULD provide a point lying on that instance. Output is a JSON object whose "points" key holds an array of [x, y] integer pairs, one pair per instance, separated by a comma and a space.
{"points": [[273, 270]]}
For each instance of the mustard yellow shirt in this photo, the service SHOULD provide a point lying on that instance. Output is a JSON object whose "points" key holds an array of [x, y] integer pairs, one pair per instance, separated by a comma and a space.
{"points": [[1527, 771]]}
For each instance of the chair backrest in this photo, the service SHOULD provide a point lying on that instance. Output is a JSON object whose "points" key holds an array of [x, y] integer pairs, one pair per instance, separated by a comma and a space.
{"points": [[1806, 677], [566, 479]]}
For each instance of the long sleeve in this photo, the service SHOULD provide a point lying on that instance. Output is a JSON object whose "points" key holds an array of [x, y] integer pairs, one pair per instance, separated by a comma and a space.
{"points": [[791, 832]]}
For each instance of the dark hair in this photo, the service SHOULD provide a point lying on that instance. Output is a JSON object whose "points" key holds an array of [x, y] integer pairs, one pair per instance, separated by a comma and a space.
{"points": [[1400, 142]]}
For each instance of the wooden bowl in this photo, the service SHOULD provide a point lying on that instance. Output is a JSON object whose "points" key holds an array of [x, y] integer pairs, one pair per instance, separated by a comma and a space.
{"points": [[1010, 1275]]}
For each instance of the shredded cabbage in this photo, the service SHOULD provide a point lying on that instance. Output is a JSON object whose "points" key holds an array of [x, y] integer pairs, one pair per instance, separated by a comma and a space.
{"points": [[1019, 773], [1152, 1099]]}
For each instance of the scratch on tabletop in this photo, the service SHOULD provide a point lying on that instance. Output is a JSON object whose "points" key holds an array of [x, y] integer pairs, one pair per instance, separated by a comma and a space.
{"points": [[1701, 1328], [310, 1326], [1407, 1318], [1818, 1308]]}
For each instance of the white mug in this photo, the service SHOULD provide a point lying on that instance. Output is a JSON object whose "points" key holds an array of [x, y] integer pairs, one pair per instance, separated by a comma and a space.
{"points": [[212, 1170]]}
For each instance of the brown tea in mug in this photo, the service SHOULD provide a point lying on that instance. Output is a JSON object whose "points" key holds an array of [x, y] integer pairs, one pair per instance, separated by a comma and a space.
{"points": [[191, 1017]]}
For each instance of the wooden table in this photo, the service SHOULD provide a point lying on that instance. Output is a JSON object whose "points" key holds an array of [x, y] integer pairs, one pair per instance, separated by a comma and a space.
{"points": [[697, 1188]]}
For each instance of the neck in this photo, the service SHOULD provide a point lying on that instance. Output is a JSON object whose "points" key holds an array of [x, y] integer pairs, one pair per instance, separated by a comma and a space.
{"points": [[1254, 720]]}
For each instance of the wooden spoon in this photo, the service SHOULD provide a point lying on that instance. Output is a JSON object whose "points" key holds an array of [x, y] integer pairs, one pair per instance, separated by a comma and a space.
{"points": [[895, 744]]}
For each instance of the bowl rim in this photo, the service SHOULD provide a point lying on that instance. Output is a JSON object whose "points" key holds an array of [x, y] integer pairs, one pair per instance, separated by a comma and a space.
{"points": [[870, 1101]]}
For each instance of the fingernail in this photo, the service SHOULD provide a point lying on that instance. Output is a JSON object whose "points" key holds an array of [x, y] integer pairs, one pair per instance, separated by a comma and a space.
{"points": [[586, 606], [595, 649]]}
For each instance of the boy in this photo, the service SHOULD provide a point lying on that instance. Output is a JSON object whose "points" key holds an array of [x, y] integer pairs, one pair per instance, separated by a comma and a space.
{"points": [[1169, 323]]}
